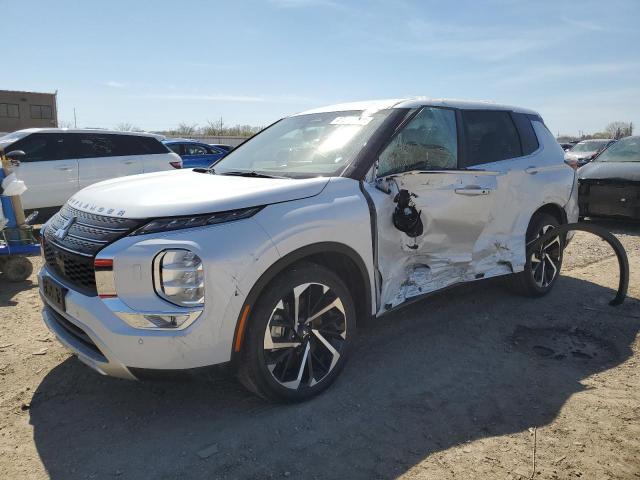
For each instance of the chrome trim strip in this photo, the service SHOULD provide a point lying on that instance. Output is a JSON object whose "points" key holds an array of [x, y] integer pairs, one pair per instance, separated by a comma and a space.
{"points": [[88, 240], [136, 318], [88, 225], [68, 250]]}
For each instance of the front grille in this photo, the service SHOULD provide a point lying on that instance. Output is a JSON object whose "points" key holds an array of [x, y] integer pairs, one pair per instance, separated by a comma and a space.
{"points": [[77, 270], [71, 240], [89, 232]]}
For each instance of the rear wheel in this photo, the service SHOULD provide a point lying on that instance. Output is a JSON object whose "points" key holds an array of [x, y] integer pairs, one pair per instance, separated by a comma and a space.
{"points": [[299, 335], [543, 264]]}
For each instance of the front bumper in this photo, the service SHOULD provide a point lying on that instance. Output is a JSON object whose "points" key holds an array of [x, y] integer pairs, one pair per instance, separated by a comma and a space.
{"points": [[104, 342], [75, 339], [609, 198]]}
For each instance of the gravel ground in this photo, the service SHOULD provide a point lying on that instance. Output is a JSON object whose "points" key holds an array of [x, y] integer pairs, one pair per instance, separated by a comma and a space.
{"points": [[471, 383]]}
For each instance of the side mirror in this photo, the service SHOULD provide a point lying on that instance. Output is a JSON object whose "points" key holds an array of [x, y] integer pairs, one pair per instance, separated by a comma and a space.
{"points": [[15, 156]]}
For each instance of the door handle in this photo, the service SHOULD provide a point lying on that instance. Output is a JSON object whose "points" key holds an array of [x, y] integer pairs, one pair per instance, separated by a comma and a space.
{"points": [[65, 169], [129, 162], [473, 191], [531, 170]]}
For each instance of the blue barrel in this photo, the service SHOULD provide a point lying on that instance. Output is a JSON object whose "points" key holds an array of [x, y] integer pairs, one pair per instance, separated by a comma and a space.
{"points": [[7, 209]]}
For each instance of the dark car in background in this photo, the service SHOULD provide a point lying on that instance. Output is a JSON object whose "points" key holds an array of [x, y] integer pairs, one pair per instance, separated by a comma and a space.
{"points": [[585, 151], [610, 185], [195, 154]]}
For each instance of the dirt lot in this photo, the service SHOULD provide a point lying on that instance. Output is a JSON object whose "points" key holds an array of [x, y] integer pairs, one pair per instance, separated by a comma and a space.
{"points": [[466, 384]]}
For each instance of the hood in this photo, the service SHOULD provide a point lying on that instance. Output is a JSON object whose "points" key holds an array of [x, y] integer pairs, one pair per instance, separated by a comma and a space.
{"points": [[603, 170], [579, 155], [187, 192]]}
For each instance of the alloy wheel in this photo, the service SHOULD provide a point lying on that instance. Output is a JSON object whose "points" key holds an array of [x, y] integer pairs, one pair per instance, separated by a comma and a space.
{"points": [[305, 335], [546, 260]]}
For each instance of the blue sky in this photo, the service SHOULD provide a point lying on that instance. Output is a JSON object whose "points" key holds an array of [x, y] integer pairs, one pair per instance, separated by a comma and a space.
{"points": [[157, 64]]}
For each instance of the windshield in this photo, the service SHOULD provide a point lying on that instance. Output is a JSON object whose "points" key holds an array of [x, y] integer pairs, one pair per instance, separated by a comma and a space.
{"points": [[10, 138], [625, 150], [589, 146], [318, 144]]}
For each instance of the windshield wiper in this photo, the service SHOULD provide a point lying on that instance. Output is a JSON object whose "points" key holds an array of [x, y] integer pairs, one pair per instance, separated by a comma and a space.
{"points": [[249, 173]]}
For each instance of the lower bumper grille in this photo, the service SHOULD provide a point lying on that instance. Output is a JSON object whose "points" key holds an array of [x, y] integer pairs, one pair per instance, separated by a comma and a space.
{"points": [[76, 332]]}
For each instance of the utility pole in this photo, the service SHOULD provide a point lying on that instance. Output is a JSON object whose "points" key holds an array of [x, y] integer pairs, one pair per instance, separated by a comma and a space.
{"points": [[75, 120]]}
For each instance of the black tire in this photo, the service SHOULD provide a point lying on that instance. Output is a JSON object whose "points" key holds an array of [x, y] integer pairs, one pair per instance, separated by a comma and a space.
{"points": [[536, 280], [305, 355], [17, 269]]}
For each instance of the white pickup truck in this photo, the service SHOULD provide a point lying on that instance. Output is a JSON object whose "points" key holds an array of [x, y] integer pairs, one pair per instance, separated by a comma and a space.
{"points": [[59, 162]]}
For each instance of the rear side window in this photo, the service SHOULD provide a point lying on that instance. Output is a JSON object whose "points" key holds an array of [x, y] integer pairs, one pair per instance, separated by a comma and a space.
{"points": [[151, 145], [112, 145], [190, 149], [137, 145], [41, 147], [527, 134], [490, 136]]}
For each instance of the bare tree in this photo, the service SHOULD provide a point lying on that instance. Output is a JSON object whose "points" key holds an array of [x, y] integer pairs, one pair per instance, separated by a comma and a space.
{"points": [[186, 130], [213, 129], [619, 129], [65, 124], [127, 127]]}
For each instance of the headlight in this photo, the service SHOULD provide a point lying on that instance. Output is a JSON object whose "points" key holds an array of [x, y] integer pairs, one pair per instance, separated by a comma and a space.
{"points": [[177, 223], [178, 277]]}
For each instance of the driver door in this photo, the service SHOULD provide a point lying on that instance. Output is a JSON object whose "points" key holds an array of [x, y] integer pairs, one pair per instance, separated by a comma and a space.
{"points": [[455, 208]]}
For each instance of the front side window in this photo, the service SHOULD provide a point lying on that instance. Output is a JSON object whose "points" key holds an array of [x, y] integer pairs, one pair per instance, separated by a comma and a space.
{"points": [[428, 142], [9, 110], [490, 136], [303, 146], [175, 148], [624, 150], [44, 112], [40, 147]]}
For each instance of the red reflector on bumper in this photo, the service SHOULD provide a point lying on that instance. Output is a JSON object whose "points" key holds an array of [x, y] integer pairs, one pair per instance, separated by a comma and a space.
{"points": [[103, 263]]}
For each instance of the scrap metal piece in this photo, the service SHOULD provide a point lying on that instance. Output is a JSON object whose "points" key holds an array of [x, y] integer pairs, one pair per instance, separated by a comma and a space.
{"points": [[623, 260]]}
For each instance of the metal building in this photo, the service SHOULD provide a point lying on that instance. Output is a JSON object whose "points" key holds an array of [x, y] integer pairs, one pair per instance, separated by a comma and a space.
{"points": [[20, 110]]}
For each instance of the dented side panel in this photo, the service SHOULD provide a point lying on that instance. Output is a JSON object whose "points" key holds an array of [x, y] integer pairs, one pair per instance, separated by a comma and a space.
{"points": [[475, 221]]}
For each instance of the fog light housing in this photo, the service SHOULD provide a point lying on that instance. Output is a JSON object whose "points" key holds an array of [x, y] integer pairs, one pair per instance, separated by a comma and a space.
{"points": [[178, 277]]}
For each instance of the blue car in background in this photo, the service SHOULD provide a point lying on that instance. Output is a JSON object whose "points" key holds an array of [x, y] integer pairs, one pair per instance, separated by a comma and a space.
{"points": [[195, 154]]}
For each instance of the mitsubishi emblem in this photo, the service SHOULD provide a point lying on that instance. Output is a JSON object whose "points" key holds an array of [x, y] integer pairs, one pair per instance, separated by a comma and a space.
{"points": [[62, 232]]}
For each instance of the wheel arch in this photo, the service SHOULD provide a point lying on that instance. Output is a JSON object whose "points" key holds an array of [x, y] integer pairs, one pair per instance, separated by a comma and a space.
{"points": [[554, 210], [338, 257]]}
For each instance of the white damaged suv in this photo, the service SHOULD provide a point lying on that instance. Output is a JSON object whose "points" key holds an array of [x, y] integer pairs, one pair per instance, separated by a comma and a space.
{"points": [[268, 260]]}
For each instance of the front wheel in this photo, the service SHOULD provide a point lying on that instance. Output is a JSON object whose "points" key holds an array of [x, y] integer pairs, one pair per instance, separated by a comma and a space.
{"points": [[298, 335], [542, 268]]}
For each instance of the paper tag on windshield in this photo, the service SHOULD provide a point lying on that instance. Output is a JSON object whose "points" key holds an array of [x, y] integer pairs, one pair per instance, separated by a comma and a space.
{"points": [[351, 120]]}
